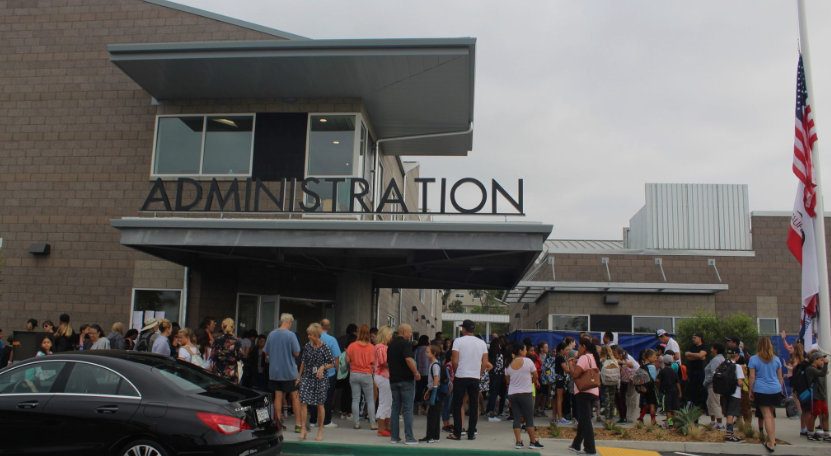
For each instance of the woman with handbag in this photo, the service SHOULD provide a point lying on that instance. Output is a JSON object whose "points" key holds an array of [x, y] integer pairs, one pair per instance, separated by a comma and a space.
{"points": [[586, 391]]}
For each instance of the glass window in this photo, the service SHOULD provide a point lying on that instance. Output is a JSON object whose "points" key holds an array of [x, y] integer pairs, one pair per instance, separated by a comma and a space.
{"points": [[570, 322], [331, 145], [167, 301], [324, 191], [651, 324], [228, 145], [203, 145], [33, 378], [768, 326], [185, 376], [91, 379], [178, 145]]}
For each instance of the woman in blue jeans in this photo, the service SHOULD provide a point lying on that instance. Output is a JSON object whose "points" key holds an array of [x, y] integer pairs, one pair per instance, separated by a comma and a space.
{"points": [[584, 400]]}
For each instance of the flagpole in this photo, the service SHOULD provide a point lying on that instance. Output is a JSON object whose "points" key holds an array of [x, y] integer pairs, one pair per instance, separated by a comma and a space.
{"points": [[824, 319]]}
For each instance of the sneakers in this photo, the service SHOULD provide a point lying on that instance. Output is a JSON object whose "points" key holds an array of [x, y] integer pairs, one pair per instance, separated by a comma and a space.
{"points": [[411, 442], [575, 450], [493, 419], [814, 436], [733, 439], [384, 433], [519, 446], [536, 444], [827, 438], [564, 421], [331, 425], [452, 436]]}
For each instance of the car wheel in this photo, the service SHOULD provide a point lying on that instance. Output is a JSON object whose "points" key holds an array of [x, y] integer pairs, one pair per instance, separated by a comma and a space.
{"points": [[143, 448]]}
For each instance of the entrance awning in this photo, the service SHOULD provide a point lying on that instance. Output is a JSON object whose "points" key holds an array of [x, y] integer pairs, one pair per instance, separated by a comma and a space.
{"points": [[429, 255], [409, 87]]}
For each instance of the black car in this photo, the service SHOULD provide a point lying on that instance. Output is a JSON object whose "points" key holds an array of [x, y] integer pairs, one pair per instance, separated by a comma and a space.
{"points": [[131, 404]]}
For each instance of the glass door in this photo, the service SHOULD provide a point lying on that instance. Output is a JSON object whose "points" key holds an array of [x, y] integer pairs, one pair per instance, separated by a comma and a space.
{"points": [[269, 314]]}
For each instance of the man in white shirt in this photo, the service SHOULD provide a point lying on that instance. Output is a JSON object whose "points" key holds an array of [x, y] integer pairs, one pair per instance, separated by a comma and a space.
{"points": [[469, 358], [669, 343]]}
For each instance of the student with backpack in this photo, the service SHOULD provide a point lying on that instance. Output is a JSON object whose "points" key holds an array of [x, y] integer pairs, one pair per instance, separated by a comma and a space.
{"points": [[433, 395], [728, 387], [610, 380], [669, 384], [798, 381]]}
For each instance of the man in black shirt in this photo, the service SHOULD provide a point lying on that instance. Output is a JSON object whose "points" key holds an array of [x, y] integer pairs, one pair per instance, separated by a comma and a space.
{"points": [[403, 375], [696, 358]]}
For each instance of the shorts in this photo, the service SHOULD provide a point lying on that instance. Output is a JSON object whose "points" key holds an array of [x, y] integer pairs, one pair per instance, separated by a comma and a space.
{"points": [[730, 406], [714, 404], [282, 386], [560, 384], [820, 408]]}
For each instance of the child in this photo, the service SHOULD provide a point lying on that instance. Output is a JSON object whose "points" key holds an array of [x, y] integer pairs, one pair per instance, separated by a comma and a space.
{"points": [[650, 399], [669, 384], [731, 404], [432, 396], [445, 412], [816, 372], [45, 347]]}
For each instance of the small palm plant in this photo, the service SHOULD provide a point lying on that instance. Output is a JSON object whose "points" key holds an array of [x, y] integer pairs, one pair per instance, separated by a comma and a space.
{"points": [[686, 418]]}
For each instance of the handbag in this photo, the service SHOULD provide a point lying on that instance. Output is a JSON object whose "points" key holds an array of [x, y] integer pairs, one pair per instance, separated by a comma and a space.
{"points": [[590, 378], [790, 407]]}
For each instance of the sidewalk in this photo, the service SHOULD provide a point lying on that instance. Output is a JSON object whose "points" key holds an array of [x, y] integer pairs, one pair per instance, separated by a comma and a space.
{"points": [[497, 439]]}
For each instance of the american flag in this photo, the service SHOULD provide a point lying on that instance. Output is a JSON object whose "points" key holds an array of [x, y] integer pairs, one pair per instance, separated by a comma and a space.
{"points": [[801, 240], [806, 136]]}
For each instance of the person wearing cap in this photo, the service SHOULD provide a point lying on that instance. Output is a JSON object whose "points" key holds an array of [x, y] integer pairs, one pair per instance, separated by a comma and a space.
{"points": [[731, 403], [816, 372], [736, 343], [147, 331], [695, 371], [669, 342], [469, 358]]}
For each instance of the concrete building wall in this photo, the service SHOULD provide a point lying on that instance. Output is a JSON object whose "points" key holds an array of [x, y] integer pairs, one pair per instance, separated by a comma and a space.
{"points": [[764, 282], [76, 141]]}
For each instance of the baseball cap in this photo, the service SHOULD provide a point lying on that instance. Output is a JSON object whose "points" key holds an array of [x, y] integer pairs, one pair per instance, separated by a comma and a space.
{"points": [[468, 325], [660, 333], [732, 351], [698, 334], [816, 355], [734, 339]]}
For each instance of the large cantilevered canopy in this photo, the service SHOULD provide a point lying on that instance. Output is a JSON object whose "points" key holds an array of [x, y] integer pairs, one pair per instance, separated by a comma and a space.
{"points": [[396, 254], [410, 87]]}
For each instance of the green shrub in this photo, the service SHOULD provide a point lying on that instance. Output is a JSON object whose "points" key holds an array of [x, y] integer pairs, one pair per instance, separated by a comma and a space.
{"points": [[716, 328]]}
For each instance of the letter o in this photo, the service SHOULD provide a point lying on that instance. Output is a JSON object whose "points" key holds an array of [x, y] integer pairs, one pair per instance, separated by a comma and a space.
{"points": [[481, 189]]}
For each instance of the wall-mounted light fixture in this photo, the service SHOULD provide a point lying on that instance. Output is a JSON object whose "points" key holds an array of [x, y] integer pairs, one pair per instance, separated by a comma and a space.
{"points": [[39, 249]]}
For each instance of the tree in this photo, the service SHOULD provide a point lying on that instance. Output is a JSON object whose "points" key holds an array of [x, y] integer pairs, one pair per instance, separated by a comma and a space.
{"points": [[716, 328], [445, 294], [456, 306]]}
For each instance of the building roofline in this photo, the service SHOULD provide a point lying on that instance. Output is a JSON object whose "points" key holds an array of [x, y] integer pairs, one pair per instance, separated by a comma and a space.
{"points": [[226, 19]]}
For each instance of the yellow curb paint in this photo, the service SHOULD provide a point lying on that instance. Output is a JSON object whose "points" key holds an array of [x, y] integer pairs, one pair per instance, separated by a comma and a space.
{"points": [[610, 451]]}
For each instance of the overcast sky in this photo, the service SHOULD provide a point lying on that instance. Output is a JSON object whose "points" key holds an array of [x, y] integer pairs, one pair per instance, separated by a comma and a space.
{"points": [[589, 100]]}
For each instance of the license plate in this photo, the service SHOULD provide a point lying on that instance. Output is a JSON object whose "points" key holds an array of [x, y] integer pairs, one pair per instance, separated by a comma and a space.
{"points": [[262, 415]]}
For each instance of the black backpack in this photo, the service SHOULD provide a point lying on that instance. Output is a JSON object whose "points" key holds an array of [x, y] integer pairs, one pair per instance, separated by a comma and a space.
{"points": [[143, 344], [799, 378], [444, 378], [724, 378]]}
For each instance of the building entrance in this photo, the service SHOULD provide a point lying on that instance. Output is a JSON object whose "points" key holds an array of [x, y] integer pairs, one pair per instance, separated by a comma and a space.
{"points": [[262, 312]]}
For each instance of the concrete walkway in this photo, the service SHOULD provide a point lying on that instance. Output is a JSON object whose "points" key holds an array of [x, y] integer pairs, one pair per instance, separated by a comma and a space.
{"points": [[497, 438]]}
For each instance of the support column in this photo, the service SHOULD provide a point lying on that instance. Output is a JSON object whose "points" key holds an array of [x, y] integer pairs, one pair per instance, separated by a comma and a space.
{"points": [[353, 301], [488, 331]]}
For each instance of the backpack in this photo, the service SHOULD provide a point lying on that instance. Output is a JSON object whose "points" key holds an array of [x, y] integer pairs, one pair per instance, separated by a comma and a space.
{"points": [[641, 376], [610, 373], [548, 371], [799, 378], [143, 344], [724, 378], [343, 366]]}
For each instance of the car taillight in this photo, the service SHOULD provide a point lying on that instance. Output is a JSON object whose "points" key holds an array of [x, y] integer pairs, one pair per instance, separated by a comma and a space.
{"points": [[223, 423]]}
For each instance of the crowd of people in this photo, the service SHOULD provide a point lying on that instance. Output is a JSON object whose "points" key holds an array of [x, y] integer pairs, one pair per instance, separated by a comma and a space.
{"points": [[380, 375]]}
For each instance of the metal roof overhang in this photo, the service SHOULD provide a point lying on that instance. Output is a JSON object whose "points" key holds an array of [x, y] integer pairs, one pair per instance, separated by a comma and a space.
{"points": [[398, 254], [531, 291], [410, 87]]}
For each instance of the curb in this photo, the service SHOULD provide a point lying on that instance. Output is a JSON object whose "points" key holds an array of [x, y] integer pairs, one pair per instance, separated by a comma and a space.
{"points": [[345, 449], [708, 447]]}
